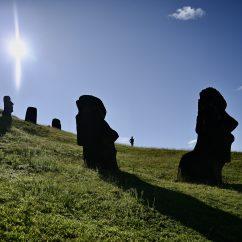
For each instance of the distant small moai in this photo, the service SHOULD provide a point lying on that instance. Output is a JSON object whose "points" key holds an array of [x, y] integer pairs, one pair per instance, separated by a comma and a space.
{"points": [[31, 115], [56, 123], [6, 118], [213, 148], [8, 106], [95, 135]]}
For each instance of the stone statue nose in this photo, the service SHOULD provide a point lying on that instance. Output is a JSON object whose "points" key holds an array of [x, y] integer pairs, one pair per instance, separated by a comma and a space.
{"points": [[231, 122]]}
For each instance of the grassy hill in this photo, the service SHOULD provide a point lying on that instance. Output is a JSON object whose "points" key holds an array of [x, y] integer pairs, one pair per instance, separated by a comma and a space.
{"points": [[47, 194]]}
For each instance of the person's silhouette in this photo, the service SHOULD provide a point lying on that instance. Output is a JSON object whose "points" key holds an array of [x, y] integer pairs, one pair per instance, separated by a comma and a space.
{"points": [[132, 140]]}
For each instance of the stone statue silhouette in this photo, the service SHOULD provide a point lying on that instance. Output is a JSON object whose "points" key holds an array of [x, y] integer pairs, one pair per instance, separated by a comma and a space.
{"points": [[56, 123], [6, 118], [31, 115], [213, 148], [95, 135]]}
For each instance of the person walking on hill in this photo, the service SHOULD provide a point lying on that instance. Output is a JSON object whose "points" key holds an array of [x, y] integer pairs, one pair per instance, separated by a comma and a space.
{"points": [[131, 141]]}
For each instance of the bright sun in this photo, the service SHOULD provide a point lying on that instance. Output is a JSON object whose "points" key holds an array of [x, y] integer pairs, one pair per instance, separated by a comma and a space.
{"points": [[17, 48]]}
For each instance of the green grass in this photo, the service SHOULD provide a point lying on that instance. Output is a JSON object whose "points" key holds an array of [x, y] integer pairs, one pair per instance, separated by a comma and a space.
{"points": [[46, 194]]}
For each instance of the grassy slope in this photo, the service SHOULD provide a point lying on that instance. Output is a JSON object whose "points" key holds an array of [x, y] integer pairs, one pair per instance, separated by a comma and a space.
{"points": [[47, 194]]}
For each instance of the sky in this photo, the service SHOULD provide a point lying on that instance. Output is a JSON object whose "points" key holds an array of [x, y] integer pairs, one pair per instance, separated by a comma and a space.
{"points": [[146, 59]]}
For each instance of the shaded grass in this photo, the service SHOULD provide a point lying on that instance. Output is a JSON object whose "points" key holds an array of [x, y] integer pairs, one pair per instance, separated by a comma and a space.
{"points": [[47, 194]]}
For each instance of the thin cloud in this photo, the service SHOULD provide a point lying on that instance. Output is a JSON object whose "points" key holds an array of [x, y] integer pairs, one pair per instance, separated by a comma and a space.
{"points": [[191, 143], [239, 88], [188, 13], [123, 140]]}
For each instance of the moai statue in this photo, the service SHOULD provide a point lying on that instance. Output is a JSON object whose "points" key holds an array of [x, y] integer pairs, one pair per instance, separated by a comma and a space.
{"points": [[213, 148], [6, 119], [31, 115], [8, 106], [95, 135], [56, 123]]}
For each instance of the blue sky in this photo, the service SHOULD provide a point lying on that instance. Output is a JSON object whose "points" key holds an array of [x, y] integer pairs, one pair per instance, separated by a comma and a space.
{"points": [[146, 59]]}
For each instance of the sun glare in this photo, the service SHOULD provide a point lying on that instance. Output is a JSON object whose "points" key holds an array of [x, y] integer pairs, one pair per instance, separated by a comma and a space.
{"points": [[17, 49]]}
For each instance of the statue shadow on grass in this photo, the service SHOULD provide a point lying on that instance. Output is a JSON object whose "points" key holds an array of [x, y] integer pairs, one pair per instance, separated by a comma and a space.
{"points": [[213, 223], [234, 187]]}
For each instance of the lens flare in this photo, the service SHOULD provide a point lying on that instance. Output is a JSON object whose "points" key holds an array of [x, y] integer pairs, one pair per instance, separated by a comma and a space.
{"points": [[17, 49]]}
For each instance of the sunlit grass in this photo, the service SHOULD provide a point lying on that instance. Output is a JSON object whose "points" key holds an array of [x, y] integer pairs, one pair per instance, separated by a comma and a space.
{"points": [[47, 194]]}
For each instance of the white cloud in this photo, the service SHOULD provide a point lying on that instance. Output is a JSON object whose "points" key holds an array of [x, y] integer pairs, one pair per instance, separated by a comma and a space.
{"points": [[191, 143], [188, 13], [239, 88], [123, 140]]}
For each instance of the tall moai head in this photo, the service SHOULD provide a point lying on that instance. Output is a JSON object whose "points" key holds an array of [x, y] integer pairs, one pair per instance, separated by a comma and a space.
{"points": [[91, 106], [8, 106], [90, 118], [91, 123], [56, 123], [214, 125], [31, 115]]}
